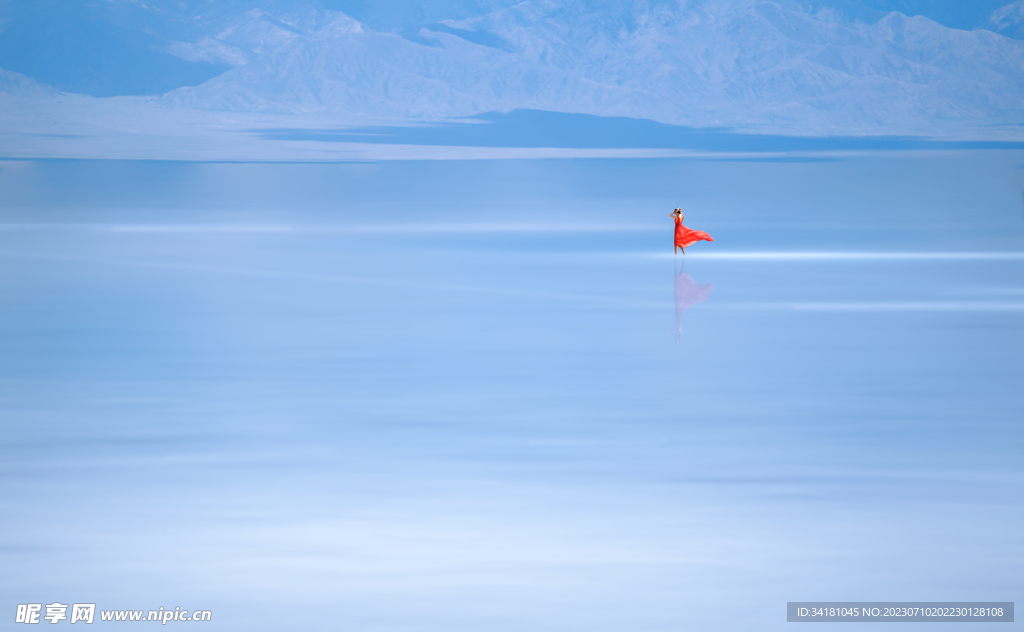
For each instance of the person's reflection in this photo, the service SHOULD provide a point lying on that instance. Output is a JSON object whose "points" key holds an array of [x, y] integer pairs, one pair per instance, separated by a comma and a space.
{"points": [[688, 292]]}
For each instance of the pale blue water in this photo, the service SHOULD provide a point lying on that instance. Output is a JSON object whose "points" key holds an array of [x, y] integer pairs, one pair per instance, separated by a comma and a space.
{"points": [[453, 395]]}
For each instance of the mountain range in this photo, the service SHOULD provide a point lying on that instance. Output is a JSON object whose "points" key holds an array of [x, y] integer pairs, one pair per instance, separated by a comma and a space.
{"points": [[813, 68]]}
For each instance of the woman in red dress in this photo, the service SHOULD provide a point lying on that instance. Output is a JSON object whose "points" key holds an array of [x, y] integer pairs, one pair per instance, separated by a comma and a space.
{"points": [[686, 236]]}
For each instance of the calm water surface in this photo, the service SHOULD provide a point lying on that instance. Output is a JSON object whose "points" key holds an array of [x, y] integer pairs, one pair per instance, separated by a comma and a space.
{"points": [[485, 396]]}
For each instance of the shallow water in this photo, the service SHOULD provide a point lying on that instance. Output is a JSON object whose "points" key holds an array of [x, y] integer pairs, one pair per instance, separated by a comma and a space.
{"points": [[469, 395]]}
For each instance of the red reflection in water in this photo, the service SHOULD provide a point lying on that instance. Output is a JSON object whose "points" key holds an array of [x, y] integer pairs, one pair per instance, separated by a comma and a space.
{"points": [[688, 293]]}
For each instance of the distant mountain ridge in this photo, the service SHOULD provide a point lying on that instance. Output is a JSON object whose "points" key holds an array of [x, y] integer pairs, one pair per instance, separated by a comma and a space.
{"points": [[807, 67], [16, 83], [733, 63], [1009, 20]]}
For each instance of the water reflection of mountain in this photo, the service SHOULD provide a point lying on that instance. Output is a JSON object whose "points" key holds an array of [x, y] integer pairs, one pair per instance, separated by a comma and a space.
{"points": [[688, 293]]}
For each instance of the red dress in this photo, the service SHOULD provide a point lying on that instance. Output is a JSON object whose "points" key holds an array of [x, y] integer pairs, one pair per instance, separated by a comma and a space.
{"points": [[687, 236]]}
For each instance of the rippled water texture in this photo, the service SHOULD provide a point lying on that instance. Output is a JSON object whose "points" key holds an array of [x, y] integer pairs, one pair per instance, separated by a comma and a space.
{"points": [[484, 395]]}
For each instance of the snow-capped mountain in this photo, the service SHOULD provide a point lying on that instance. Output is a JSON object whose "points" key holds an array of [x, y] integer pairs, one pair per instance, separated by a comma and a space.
{"points": [[14, 83], [1009, 20], [724, 63]]}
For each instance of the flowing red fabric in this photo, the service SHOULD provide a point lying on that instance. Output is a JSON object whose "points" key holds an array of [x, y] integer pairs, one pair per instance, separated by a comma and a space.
{"points": [[687, 236]]}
